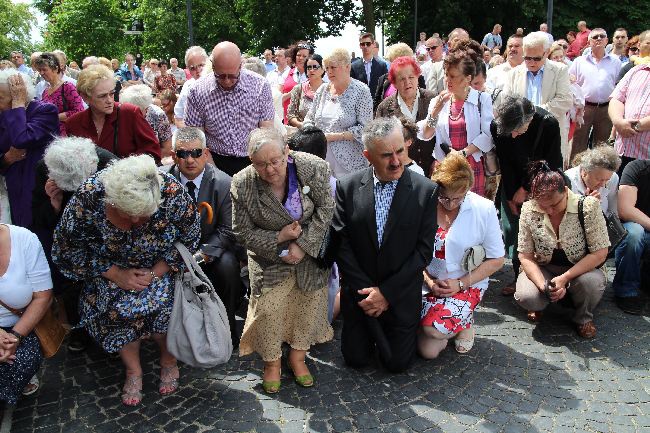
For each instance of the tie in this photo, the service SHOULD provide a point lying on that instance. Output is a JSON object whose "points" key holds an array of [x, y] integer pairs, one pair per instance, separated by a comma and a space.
{"points": [[191, 189]]}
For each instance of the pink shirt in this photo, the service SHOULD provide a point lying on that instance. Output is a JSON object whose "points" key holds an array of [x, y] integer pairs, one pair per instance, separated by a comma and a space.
{"points": [[634, 91], [73, 102]]}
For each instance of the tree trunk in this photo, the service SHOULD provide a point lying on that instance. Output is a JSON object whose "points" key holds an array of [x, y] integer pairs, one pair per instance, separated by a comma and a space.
{"points": [[368, 16]]}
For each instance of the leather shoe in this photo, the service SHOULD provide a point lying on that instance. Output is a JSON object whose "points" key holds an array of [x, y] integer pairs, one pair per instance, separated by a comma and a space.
{"points": [[587, 330], [630, 305]]}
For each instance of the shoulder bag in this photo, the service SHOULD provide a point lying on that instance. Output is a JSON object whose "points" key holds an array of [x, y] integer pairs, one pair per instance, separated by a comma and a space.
{"points": [[615, 229], [49, 331], [198, 332]]}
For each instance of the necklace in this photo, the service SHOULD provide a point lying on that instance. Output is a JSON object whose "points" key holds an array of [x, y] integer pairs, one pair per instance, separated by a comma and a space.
{"points": [[462, 109]]}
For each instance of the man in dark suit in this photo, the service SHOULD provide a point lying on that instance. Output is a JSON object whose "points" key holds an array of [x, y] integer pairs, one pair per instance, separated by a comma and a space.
{"points": [[219, 254], [368, 69], [384, 225]]}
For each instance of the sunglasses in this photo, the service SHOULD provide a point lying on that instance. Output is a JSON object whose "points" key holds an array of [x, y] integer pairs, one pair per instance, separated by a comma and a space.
{"points": [[195, 67], [365, 44], [563, 46], [533, 59], [231, 77], [596, 37], [634, 49], [433, 47], [184, 154], [312, 67]]}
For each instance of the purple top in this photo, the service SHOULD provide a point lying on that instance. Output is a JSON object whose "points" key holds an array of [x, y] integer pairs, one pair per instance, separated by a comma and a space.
{"points": [[73, 102], [293, 204], [32, 129]]}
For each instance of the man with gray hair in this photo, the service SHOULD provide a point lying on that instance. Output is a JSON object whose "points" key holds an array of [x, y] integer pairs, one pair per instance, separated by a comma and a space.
{"points": [[544, 83], [177, 72], [596, 74], [195, 58], [219, 254], [384, 226]]}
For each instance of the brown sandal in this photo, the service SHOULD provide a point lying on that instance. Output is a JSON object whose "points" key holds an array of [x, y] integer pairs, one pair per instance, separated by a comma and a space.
{"points": [[587, 330]]}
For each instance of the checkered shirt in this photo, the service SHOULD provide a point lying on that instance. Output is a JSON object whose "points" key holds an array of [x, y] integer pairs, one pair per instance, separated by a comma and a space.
{"points": [[228, 117], [384, 193]]}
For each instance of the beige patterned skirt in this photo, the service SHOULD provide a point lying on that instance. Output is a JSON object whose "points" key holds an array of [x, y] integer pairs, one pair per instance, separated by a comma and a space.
{"points": [[285, 314]]}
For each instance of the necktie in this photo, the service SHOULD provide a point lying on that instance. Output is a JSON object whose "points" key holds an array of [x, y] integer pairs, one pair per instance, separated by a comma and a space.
{"points": [[191, 189]]}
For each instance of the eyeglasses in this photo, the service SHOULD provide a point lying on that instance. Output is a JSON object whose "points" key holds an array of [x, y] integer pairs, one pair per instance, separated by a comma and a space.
{"points": [[600, 36], [634, 49], [184, 154], [433, 47], [449, 200], [312, 67], [275, 163], [533, 59], [195, 67], [231, 77], [563, 46], [365, 44]]}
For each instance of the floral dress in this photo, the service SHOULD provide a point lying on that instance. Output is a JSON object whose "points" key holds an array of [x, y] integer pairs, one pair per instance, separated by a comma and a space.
{"points": [[86, 244], [447, 315]]}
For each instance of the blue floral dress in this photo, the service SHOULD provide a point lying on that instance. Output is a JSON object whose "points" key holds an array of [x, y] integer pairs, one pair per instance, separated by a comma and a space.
{"points": [[86, 244]]}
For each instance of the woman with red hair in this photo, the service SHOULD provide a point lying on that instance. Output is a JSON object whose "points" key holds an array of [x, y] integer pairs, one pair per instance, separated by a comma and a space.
{"points": [[409, 102]]}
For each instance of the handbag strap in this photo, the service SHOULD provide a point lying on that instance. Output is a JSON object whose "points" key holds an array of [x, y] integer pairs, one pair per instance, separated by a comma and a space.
{"points": [[581, 218], [12, 310], [64, 102], [116, 129], [188, 259]]}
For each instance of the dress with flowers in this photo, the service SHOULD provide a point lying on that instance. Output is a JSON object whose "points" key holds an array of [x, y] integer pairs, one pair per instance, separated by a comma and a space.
{"points": [[86, 244], [447, 315]]}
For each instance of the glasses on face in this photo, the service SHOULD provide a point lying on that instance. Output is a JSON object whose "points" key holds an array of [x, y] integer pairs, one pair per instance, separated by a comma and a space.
{"points": [[231, 77], [365, 44], [450, 200], [533, 59], [275, 163], [433, 47], [184, 154], [195, 67], [312, 67], [109, 95], [633, 49], [563, 46], [596, 37]]}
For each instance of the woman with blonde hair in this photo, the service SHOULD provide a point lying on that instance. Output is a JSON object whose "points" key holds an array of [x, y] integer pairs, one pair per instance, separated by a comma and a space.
{"points": [[452, 290]]}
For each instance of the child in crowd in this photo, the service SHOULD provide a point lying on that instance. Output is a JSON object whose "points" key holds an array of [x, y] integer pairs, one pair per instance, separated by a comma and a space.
{"points": [[410, 131]]}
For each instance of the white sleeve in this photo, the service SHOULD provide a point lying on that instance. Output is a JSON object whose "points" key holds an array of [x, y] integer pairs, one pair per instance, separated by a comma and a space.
{"points": [[493, 240], [38, 271], [179, 108]]}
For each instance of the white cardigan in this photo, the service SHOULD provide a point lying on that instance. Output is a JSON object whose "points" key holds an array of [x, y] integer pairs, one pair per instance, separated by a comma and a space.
{"points": [[478, 127], [476, 224]]}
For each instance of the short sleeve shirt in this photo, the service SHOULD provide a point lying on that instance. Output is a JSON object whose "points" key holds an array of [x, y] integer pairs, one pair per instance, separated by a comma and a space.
{"points": [[637, 173]]}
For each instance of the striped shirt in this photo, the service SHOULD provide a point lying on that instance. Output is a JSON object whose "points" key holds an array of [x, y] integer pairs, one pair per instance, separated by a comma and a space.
{"points": [[634, 91], [228, 117]]}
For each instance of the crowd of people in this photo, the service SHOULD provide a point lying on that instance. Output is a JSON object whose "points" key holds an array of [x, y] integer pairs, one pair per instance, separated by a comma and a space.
{"points": [[387, 191]]}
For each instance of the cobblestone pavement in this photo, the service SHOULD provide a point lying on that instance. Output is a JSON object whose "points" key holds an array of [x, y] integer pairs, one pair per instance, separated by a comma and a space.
{"points": [[518, 378]]}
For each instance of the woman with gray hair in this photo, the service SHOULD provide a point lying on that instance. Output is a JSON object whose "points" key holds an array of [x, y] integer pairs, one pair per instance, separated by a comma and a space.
{"points": [[594, 174], [26, 128], [117, 235], [140, 96], [282, 208]]}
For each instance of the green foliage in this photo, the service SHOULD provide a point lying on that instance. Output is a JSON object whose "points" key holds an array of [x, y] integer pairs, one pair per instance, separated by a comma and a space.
{"points": [[87, 27], [15, 26]]}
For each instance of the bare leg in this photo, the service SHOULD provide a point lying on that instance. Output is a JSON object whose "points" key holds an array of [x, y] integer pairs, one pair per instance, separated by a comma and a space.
{"points": [[299, 368], [431, 342], [130, 355], [337, 306], [271, 377], [169, 373]]}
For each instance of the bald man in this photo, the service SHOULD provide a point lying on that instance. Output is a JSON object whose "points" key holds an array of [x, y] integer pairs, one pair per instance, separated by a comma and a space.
{"points": [[228, 103]]}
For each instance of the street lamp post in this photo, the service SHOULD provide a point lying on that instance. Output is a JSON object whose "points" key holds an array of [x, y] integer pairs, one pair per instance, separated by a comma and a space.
{"points": [[383, 38], [549, 16]]}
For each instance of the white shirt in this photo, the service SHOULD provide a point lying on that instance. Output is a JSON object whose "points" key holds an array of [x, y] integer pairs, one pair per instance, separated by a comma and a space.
{"points": [[197, 182], [406, 111], [496, 76], [179, 108], [276, 78], [27, 272], [608, 193], [414, 167]]}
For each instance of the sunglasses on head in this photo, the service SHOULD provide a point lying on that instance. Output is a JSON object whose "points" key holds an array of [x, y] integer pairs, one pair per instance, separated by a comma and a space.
{"points": [[184, 154], [365, 44], [533, 59], [304, 47]]}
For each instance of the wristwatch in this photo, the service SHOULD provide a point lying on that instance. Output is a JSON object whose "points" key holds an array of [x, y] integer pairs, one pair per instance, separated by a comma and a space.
{"points": [[635, 126], [17, 335], [461, 285]]}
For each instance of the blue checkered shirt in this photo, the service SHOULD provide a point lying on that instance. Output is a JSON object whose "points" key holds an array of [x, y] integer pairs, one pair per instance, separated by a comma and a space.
{"points": [[384, 192]]}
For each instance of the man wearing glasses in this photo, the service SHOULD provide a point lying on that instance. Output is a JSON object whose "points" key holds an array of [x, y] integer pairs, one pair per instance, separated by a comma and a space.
{"points": [[368, 69], [433, 71], [596, 74], [195, 58], [219, 254], [544, 83]]}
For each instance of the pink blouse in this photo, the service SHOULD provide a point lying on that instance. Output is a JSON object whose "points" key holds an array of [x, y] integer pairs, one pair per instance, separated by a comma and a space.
{"points": [[73, 102]]}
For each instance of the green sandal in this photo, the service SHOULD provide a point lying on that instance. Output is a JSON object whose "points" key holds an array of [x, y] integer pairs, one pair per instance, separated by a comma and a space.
{"points": [[271, 386], [306, 380]]}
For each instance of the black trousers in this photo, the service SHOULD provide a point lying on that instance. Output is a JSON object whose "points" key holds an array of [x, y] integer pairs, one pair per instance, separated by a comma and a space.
{"points": [[230, 164], [357, 342], [223, 272]]}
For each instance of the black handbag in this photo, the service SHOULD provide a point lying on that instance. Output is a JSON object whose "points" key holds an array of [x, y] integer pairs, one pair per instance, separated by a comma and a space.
{"points": [[615, 229]]}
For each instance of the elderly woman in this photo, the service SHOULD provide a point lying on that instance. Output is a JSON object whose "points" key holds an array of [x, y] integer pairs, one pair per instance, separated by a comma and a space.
{"points": [[557, 53], [558, 255], [410, 102], [297, 74], [151, 73], [26, 128], [460, 117], [387, 88], [522, 133], [119, 128], [25, 296], [168, 99], [594, 174], [60, 93], [140, 96], [164, 80], [341, 109], [282, 207], [67, 163], [117, 235], [302, 96], [451, 293]]}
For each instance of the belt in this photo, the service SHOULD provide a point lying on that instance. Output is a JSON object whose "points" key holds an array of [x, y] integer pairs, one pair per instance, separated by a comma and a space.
{"points": [[596, 104]]}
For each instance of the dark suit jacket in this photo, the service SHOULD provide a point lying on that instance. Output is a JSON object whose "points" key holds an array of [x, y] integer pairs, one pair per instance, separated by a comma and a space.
{"points": [[377, 69], [218, 237], [382, 86], [407, 248]]}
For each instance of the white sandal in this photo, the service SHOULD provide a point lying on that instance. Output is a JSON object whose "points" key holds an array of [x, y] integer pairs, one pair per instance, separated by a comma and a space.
{"points": [[462, 343], [32, 386]]}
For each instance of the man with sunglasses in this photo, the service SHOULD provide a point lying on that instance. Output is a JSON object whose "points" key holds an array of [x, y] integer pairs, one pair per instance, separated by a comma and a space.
{"points": [[368, 69], [219, 254], [596, 75], [543, 82], [195, 58], [433, 71], [228, 104]]}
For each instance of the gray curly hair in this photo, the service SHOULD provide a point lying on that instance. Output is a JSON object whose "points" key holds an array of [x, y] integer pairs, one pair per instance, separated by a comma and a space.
{"points": [[260, 137], [138, 95], [132, 185], [70, 161], [378, 129], [599, 157]]}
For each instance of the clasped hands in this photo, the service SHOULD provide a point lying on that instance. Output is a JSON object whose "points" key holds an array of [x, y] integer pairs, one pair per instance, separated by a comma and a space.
{"points": [[558, 292], [133, 279], [8, 346], [291, 232], [441, 288], [374, 304]]}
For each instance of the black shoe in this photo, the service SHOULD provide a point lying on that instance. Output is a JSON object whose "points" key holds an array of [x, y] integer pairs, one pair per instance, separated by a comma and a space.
{"points": [[78, 340], [630, 305]]}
